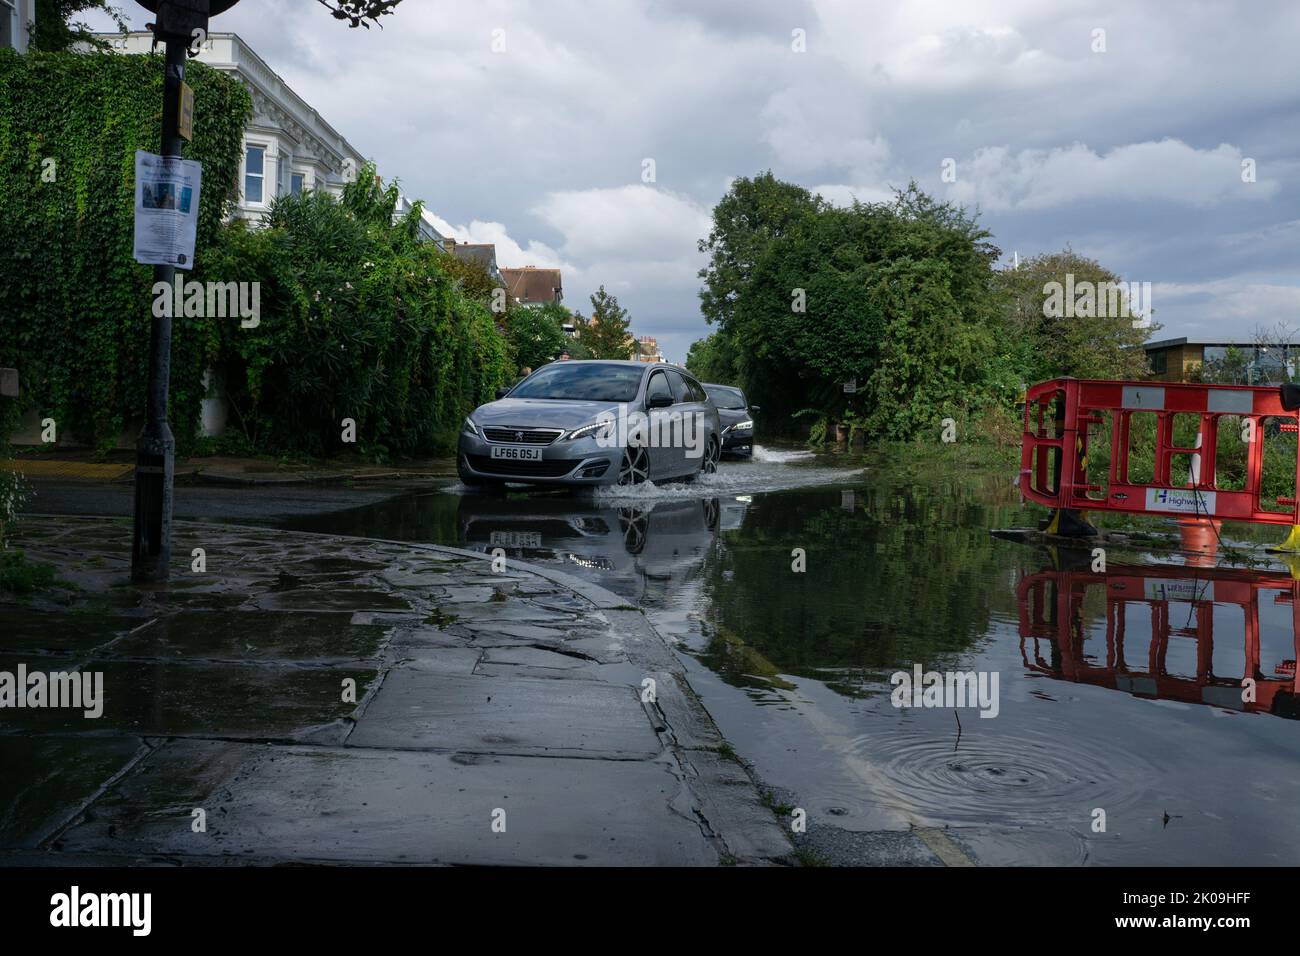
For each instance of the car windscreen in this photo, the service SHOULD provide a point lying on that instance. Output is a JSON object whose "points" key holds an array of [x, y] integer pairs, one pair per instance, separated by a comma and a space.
{"points": [[724, 397], [583, 382]]}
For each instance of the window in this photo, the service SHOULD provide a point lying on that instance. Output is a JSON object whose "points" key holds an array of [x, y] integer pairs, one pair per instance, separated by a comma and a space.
{"points": [[1159, 362], [296, 182], [680, 392], [658, 388], [7, 18], [724, 397], [254, 173], [696, 389], [581, 382]]}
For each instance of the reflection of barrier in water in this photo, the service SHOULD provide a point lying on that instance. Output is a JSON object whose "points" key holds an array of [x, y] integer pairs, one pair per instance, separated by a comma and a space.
{"points": [[1225, 452], [1051, 606]]}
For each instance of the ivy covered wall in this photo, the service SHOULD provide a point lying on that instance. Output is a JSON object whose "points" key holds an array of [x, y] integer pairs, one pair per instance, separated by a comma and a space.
{"points": [[74, 304]]}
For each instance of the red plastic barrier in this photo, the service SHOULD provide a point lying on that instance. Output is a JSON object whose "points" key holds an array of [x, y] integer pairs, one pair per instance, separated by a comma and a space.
{"points": [[1064, 415]]}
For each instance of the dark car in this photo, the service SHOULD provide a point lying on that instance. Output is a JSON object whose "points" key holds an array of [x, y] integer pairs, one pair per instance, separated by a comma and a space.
{"points": [[736, 416]]}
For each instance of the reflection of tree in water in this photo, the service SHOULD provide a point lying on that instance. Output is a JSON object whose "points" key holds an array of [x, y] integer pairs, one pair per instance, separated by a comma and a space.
{"points": [[908, 575]]}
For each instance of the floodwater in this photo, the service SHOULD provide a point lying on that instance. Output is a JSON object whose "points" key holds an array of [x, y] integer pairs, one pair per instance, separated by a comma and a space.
{"points": [[797, 586]]}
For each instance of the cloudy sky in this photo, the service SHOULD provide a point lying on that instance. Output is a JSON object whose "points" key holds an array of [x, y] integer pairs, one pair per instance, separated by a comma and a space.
{"points": [[529, 124]]}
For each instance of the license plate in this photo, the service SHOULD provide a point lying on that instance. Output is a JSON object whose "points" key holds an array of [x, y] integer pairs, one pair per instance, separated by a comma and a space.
{"points": [[515, 539], [516, 453]]}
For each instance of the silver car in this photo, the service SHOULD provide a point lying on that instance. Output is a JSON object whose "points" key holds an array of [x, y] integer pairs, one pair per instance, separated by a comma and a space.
{"points": [[593, 423]]}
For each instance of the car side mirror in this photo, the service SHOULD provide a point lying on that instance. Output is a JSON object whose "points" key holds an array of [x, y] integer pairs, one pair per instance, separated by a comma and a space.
{"points": [[659, 401], [502, 392], [755, 408]]}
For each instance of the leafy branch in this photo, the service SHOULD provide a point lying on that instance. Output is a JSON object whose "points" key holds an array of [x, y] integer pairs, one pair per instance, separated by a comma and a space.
{"points": [[359, 13]]}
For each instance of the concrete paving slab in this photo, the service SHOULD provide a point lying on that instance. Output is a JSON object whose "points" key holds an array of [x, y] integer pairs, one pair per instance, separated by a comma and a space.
{"points": [[245, 636], [259, 702], [442, 660], [29, 631], [728, 794], [314, 803], [533, 657], [46, 780], [424, 710]]}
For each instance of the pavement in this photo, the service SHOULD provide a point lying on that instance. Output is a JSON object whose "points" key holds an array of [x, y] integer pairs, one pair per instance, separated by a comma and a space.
{"points": [[501, 715]]}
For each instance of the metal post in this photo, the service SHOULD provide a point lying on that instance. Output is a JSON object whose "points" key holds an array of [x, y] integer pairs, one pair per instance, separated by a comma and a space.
{"points": [[155, 464]]}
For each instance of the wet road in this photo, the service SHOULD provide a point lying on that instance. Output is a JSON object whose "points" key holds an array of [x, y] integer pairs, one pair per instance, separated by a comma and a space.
{"points": [[1119, 693]]}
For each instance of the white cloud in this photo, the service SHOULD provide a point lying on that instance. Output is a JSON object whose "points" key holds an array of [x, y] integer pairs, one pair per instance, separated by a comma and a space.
{"points": [[1226, 306], [510, 253], [545, 140], [633, 223], [1168, 171]]}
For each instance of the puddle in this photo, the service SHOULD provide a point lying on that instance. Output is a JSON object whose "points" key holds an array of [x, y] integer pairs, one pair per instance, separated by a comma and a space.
{"points": [[1139, 720]]}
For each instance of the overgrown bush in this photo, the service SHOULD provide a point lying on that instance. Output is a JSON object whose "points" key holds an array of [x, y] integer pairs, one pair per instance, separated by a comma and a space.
{"points": [[358, 321]]}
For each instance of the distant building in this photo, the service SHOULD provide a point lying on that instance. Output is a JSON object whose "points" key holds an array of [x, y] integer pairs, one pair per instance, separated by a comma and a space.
{"points": [[533, 286], [428, 226], [480, 253], [1261, 363], [288, 146], [647, 349], [16, 19]]}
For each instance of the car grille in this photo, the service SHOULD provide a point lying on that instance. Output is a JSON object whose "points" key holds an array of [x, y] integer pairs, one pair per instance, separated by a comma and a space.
{"points": [[522, 436], [535, 469]]}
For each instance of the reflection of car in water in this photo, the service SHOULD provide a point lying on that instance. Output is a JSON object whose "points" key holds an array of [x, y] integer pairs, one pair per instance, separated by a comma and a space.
{"points": [[1189, 634], [638, 549]]}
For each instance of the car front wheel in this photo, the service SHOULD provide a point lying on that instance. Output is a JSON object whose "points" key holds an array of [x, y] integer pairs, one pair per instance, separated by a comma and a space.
{"points": [[711, 455], [635, 468]]}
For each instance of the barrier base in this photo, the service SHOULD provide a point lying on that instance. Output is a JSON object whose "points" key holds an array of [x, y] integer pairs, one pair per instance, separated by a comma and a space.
{"points": [[1292, 543], [1069, 523]]}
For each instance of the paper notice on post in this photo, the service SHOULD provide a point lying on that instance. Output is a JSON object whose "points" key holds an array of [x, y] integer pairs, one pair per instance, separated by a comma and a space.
{"points": [[166, 209]]}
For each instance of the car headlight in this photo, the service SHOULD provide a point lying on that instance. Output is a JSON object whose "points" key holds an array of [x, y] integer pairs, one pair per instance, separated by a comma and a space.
{"points": [[594, 430], [470, 427], [743, 426]]}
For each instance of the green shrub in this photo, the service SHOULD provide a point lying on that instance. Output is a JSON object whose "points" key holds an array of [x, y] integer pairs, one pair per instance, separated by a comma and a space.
{"points": [[18, 575], [358, 321]]}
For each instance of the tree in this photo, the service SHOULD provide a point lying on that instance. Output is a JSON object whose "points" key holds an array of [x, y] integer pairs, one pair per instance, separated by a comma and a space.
{"points": [[896, 297], [55, 29], [475, 281], [606, 335], [359, 13], [1090, 335], [536, 333], [357, 321], [713, 359], [752, 214]]}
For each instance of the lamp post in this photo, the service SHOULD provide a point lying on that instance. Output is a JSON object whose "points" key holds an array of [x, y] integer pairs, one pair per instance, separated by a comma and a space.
{"points": [[178, 23]]}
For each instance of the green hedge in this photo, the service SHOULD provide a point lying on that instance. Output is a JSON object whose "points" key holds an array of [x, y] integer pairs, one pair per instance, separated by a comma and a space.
{"points": [[74, 304], [358, 320]]}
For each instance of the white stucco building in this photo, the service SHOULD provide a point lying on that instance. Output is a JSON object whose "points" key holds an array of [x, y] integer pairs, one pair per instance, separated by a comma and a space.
{"points": [[288, 146], [16, 18]]}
